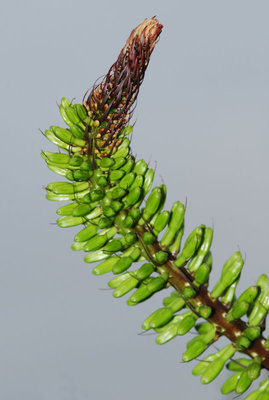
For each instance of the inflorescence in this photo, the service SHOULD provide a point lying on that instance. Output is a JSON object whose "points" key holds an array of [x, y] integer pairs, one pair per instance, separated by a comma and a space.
{"points": [[124, 223]]}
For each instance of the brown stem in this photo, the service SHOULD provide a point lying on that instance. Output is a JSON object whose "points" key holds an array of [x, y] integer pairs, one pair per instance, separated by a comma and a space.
{"points": [[179, 278]]}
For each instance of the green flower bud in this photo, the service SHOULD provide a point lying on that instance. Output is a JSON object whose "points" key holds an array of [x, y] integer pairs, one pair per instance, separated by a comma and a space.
{"points": [[108, 211], [127, 180], [264, 385], [254, 370], [117, 280], [97, 194], [67, 187], [249, 295], [71, 114], [125, 287], [128, 222], [113, 246], [161, 222], [141, 294], [202, 366], [213, 364], [201, 275], [116, 175], [123, 150], [230, 384], [116, 206], [69, 175], [158, 318], [102, 181], [156, 284], [77, 246], [243, 342], [67, 137], [191, 246], [81, 111], [230, 272], [53, 139], [187, 323], [216, 366], [174, 303], [66, 222], [148, 180], [204, 249], [175, 246], [60, 171], [127, 130], [161, 257], [67, 209], [119, 163], [261, 305], [81, 175], [95, 256], [138, 182], [145, 271], [106, 162], [238, 310], [95, 242], [81, 210], [152, 203], [175, 223], [261, 396], [243, 383], [252, 332], [105, 266], [56, 158], [105, 222], [132, 197], [77, 131], [127, 167], [229, 295], [239, 364], [86, 165], [169, 331], [189, 292], [130, 238], [140, 167], [257, 314], [198, 344], [76, 160], [148, 238], [66, 197], [205, 327], [193, 351], [86, 233], [205, 311], [116, 193], [122, 264]]}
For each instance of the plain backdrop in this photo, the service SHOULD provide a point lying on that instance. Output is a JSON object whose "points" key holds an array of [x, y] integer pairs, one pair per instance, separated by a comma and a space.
{"points": [[202, 117]]}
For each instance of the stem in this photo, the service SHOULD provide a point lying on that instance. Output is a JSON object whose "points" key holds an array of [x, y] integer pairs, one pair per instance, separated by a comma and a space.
{"points": [[179, 278]]}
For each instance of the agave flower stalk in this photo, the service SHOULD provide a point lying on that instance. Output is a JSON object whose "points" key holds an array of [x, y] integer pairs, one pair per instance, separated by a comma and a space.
{"points": [[106, 187]]}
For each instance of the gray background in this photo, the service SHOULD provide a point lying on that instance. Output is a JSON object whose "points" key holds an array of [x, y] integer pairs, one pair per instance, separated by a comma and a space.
{"points": [[202, 114]]}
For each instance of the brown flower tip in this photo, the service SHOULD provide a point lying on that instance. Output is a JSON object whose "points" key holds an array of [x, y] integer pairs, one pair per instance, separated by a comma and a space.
{"points": [[111, 103]]}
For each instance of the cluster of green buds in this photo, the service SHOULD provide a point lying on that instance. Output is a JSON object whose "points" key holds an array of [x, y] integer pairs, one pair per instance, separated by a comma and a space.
{"points": [[127, 230]]}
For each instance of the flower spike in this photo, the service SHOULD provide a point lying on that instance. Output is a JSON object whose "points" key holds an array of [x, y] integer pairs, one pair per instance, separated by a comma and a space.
{"points": [[123, 222]]}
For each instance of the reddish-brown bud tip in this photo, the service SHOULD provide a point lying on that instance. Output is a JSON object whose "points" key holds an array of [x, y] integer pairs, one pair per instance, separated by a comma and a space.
{"points": [[147, 33], [111, 102]]}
